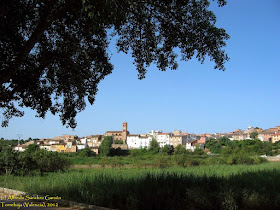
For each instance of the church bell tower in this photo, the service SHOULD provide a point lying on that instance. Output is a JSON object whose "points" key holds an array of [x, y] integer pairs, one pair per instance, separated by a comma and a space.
{"points": [[124, 132]]}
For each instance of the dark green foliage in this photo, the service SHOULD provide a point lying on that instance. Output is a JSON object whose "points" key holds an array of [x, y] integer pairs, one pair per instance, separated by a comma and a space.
{"points": [[4, 143], [50, 161], [86, 153], [167, 149], [238, 155], [33, 159], [181, 160], [138, 152], [116, 162], [154, 146], [224, 141], [118, 152], [199, 151], [254, 135], [162, 161], [9, 161], [54, 53], [104, 149], [214, 146], [251, 147], [32, 148], [180, 150], [118, 141]]}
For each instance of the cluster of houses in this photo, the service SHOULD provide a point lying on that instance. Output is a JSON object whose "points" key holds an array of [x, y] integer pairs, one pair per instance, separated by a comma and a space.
{"points": [[125, 140], [270, 135]]}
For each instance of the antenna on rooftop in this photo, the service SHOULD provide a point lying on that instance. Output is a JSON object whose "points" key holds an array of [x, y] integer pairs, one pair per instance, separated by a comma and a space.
{"points": [[19, 135]]}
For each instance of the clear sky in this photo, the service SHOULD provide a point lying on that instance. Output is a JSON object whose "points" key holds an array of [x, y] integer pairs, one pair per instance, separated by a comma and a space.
{"points": [[195, 98]]}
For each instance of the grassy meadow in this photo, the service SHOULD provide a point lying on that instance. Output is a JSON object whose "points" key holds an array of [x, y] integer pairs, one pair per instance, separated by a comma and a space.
{"points": [[196, 187]]}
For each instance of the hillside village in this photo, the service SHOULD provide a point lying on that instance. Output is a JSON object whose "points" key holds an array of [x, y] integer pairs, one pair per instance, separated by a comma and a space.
{"points": [[126, 141]]}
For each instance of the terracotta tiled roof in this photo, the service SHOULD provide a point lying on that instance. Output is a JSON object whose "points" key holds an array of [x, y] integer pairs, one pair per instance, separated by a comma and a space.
{"points": [[164, 134], [268, 131]]}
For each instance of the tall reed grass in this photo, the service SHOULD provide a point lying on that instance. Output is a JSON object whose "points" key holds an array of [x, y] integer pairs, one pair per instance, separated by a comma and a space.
{"points": [[200, 187]]}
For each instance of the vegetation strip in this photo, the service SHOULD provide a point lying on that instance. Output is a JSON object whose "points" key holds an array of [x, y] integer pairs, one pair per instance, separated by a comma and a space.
{"points": [[199, 187]]}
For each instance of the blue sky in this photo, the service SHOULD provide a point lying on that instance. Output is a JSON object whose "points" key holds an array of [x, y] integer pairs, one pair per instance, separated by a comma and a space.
{"points": [[195, 98]]}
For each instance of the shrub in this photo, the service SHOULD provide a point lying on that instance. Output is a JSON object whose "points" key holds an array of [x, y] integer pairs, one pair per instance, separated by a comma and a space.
{"points": [[192, 163], [161, 161], [9, 161], [105, 146], [134, 152], [118, 141], [154, 146], [167, 150], [116, 162], [199, 151], [86, 153], [179, 150], [180, 160], [33, 159], [50, 161]]}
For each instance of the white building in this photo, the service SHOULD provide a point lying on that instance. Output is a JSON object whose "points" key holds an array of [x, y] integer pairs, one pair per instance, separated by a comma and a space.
{"points": [[81, 146], [84, 140], [20, 148], [45, 147], [191, 145], [163, 139], [138, 141]]}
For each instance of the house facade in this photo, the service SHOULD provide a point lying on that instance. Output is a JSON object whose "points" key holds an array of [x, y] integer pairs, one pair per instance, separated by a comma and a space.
{"points": [[275, 137], [138, 141], [163, 139]]}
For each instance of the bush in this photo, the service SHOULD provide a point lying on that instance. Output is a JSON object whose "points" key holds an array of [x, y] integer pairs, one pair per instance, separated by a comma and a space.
{"points": [[258, 160], [215, 160], [240, 159], [105, 146], [118, 141], [167, 150], [161, 161], [50, 161], [199, 151], [192, 163], [179, 150], [154, 146], [116, 162], [134, 152], [86, 153], [180, 160], [9, 161], [33, 159]]}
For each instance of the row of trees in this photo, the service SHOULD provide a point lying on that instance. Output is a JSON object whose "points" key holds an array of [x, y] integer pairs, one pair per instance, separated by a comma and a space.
{"points": [[231, 152], [253, 147], [14, 142], [32, 160]]}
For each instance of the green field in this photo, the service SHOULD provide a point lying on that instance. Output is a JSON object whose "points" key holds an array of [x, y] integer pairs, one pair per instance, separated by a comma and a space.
{"points": [[199, 187]]}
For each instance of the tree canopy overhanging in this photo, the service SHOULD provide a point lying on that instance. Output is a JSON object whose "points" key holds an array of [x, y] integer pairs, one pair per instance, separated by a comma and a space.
{"points": [[54, 52]]}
